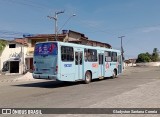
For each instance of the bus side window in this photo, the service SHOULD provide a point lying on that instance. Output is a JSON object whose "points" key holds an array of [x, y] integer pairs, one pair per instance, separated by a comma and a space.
{"points": [[63, 57], [78, 58], [81, 57], [85, 54], [67, 53], [90, 55], [119, 59], [107, 56], [100, 56], [114, 56]]}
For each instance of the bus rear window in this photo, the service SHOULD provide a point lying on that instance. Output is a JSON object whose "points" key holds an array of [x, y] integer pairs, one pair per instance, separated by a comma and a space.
{"points": [[46, 49]]}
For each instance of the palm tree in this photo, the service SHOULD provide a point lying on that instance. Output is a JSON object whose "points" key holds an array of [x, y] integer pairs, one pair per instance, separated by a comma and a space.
{"points": [[155, 50], [155, 55]]}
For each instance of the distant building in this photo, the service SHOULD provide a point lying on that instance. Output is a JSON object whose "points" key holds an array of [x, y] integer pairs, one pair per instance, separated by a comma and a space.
{"points": [[130, 62]]}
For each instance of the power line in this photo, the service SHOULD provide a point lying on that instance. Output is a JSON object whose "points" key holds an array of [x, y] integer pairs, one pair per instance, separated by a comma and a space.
{"points": [[96, 28], [140, 27], [5, 34], [66, 22], [41, 7], [37, 4], [38, 7], [12, 32]]}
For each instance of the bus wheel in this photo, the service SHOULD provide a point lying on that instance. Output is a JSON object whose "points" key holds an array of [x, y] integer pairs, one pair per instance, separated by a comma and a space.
{"points": [[114, 74], [88, 77]]}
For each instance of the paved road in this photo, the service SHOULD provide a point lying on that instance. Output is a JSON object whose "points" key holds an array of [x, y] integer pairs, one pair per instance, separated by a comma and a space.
{"points": [[136, 87]]}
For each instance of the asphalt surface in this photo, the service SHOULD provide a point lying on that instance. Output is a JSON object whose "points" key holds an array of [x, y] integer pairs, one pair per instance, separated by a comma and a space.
{"points": [[137, 87]]}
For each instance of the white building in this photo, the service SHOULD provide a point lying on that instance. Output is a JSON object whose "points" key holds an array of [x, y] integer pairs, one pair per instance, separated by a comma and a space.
{"points": [[12, 58]]}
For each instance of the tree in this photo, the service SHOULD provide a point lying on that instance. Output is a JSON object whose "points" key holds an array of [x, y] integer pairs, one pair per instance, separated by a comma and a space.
{"points": [[143, 57], [149, 55], [2, 45], [146, 57], [155, 55]]}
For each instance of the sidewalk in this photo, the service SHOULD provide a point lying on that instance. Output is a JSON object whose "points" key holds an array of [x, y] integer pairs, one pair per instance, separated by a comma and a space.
{"points": [[144, 96], [16, 77]]}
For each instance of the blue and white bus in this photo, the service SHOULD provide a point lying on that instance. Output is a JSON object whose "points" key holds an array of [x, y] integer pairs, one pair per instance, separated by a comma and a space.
{"points": [[73, 62]]}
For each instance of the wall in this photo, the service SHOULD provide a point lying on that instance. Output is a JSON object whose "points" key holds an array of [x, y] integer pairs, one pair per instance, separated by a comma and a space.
{"points": [[9, 53], [34, 41], [129, 64], [74, 35], [149, 64]]}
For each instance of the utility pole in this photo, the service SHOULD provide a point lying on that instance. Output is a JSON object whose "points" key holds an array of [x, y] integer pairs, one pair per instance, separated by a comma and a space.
{"points": [[122, 51], [56, 25]]}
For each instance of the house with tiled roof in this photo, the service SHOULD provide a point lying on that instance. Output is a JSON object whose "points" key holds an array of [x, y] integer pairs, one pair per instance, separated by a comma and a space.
{"points": [[21, 41]]}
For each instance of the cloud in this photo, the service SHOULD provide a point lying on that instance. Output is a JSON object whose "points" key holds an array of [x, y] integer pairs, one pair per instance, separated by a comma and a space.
{"points": [[151, 29]]}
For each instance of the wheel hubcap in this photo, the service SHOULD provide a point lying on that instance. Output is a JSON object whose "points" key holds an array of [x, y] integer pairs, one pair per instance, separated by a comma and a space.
{"points": [[114, 74], [88, 77]]}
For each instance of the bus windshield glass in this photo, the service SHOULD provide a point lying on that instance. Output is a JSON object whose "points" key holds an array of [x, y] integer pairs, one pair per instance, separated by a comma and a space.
{"points": [[45, 49]]}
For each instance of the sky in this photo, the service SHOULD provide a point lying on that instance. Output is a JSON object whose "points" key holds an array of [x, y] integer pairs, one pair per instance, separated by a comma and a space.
{"points": [[100, 20]]}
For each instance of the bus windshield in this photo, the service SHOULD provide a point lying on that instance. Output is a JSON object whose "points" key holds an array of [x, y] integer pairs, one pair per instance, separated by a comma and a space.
{"points": [[45, 49]]}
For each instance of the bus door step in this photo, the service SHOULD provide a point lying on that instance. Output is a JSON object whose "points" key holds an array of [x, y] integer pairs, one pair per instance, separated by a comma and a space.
{"points": [[101, 77]]}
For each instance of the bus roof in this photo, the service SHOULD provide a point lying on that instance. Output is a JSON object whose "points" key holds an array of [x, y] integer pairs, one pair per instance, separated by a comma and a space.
{"points": [[81, 46]]}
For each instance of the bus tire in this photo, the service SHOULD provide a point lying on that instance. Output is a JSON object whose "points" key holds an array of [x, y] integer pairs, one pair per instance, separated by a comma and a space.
{"points": [[88, 77], [114, 75]]}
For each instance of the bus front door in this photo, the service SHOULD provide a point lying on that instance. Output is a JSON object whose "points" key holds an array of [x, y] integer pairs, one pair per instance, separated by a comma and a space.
{"points": [[78, 65], [101, 66]]}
